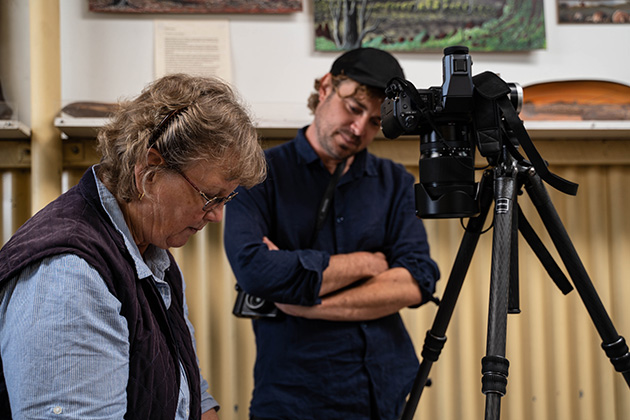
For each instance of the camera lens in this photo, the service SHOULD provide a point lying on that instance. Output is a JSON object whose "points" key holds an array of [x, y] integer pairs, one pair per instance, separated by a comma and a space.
{"points": [[254, 302], [447, 178]]}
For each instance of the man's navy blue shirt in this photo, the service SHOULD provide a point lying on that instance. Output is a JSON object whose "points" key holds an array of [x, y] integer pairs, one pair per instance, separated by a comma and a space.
{"points": [[314, 369]]}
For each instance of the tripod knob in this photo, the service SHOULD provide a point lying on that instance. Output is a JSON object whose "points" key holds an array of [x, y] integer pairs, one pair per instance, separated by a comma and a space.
{"points": [[495, 373]]}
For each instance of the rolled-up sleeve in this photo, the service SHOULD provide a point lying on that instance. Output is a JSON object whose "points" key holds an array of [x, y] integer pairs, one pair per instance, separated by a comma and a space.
{"points": [[410, 247]]}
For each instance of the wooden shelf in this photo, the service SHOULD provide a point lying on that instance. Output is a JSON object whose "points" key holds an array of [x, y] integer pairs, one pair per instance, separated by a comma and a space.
{"points": [[578, 129], [14, 129], [79, 127], [284, 129]]}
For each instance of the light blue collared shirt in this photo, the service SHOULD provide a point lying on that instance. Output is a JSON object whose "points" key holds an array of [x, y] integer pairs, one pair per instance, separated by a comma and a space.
{"points": [[64, 343]]}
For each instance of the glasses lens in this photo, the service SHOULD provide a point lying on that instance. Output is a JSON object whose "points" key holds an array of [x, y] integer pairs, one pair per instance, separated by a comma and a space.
{"points": [[213, 203]]}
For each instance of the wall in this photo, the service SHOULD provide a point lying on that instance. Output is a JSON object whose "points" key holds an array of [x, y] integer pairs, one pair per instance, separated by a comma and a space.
{"points": [[14, 56], [106, 56]]}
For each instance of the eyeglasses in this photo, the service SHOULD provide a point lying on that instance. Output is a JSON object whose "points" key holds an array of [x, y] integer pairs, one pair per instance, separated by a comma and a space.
{"points": [[210, 203]]}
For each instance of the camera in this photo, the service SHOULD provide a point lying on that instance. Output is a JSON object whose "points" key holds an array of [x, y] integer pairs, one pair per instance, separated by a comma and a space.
{"points": [[248, 306], [447, 118]]}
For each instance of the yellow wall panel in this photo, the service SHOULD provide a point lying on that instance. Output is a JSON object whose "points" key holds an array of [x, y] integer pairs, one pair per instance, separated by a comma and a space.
{"points": [[557, 367]]}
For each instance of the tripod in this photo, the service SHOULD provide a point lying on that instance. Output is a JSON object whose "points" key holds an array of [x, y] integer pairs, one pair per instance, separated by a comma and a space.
{"points": [[502, 185]]}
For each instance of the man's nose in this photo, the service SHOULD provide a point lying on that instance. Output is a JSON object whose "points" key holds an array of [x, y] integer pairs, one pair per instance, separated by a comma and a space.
{"points": [[359, 124]]}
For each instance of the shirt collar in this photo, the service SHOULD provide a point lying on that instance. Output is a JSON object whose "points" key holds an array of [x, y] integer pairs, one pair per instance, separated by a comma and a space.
{"points": [[155, 261]]}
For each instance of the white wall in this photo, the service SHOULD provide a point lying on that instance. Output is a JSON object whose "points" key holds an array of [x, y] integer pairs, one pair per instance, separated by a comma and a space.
{"points": [[15, 56], [108, 56]]}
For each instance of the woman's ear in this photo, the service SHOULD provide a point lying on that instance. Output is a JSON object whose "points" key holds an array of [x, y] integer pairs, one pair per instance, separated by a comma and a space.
{"points": [[154, 158]]}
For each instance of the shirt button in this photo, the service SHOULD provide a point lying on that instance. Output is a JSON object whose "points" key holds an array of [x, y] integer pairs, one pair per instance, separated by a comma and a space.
{"points": [[57, 410], [339, 219]]}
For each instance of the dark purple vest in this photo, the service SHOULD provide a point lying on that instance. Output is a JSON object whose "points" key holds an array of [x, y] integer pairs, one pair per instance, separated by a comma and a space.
{"points": [[159, 338]]}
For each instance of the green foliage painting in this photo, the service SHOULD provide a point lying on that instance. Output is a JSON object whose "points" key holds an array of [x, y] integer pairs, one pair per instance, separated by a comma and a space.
{"points": [[429, 25]]}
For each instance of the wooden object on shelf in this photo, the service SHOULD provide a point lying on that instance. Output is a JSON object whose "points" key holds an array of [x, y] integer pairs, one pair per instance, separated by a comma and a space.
{"points": [[89, 109], [576, 100], [5, 110]]}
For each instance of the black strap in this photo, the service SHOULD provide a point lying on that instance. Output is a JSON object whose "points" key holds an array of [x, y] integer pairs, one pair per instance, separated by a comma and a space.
{"points": [[525, 141], [492, 87], [324, 206], [542, 253]]}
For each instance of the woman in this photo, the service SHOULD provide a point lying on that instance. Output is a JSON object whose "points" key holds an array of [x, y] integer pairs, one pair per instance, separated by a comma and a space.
{"points": [[93, 316]]}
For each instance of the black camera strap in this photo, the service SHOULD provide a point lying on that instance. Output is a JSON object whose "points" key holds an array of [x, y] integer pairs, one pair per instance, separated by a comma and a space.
{"points": [[525, 141], [324, 205], [492, 87]]}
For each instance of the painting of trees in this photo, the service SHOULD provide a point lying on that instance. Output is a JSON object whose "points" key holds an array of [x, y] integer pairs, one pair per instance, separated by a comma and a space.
{"points": [[429, 25]]}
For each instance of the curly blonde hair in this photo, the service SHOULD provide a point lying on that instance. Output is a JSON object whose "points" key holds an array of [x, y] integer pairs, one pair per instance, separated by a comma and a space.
{"points": [[369, 91], [207, 123]]}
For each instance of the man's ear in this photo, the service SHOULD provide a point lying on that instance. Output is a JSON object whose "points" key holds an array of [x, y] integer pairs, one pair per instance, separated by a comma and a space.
{"points": [[325, 86]]}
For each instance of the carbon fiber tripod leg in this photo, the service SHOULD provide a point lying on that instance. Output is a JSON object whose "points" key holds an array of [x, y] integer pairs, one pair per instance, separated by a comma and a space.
{"points": [[494, 366], [613, 344]]}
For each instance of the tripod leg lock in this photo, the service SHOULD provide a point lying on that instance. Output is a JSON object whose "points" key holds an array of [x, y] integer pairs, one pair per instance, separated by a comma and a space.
{"points": [[433, 346], [495, 373], [618, 354]]}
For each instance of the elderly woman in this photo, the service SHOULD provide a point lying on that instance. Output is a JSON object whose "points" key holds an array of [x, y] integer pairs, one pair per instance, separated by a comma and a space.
{"points": [[93, 316]]}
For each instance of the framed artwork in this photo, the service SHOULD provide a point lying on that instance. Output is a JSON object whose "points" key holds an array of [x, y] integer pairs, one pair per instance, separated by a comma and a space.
{"points": [[196, 6], [429, 25], [593, 11], [576, 100]]}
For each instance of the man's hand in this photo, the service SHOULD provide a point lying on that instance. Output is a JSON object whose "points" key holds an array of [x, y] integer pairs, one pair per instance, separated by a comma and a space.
{"points": [[270, 245]]}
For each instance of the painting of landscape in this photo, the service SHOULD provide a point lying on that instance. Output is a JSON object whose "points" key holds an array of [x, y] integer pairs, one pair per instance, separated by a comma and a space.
{"points": [[196, 6], [594, 11], [429, 25]]}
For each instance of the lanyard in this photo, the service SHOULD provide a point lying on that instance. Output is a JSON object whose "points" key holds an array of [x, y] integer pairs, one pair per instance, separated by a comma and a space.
{"points": [[324, 206]]}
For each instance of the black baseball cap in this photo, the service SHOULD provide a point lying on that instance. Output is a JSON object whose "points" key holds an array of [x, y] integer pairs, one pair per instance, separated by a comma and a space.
{"points": [[368, 66]]}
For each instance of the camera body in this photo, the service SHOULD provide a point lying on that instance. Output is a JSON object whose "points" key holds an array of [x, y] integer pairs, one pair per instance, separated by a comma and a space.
{"points": [[442, 116], [406, 111], [248, 306]]}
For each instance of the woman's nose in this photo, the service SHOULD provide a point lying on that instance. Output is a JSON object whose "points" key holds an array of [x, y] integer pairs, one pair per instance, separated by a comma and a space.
{"points": [[215, 215]]}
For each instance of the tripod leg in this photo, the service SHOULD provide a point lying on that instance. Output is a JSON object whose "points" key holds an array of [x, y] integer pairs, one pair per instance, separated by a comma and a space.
{"points": [[435, 338], [495, 365], [614, 345]]}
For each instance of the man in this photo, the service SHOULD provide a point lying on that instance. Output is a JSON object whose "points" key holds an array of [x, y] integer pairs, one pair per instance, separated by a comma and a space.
{"points": [[339, 349]]}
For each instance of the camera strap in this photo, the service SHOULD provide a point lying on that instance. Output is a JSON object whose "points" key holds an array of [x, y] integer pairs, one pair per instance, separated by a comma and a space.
{"points": [[492, 87], [324, 205]]}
